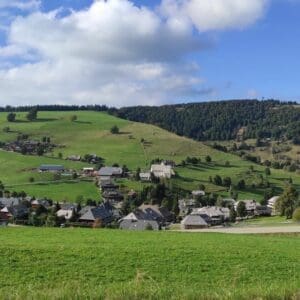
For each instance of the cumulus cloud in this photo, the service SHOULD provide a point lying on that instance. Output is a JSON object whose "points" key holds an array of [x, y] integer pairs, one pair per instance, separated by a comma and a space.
{"points": [[114, 52], [215, 14], [20, 4]]}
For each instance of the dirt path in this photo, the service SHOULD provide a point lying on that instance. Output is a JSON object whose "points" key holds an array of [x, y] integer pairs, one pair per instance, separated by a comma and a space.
{"points": [[251, 230]]}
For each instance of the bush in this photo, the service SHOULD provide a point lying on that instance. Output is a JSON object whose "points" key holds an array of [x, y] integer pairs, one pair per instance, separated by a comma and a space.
{"points": [[115, 130], [11, 117], [73, 118], [296, 215]]}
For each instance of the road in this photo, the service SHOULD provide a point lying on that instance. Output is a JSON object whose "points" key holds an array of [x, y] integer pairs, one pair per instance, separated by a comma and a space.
{"points": [[251, 230]]}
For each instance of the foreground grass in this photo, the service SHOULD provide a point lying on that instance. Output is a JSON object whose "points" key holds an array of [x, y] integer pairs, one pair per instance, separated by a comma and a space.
{"points": [[103, 264]]}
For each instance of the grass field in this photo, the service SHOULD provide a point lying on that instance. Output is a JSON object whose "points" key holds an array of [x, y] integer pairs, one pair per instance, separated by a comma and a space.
{"points": [[41, 263], [91, 134]]}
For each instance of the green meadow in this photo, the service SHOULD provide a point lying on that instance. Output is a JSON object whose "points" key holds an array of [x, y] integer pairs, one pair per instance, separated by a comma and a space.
{"points": [[109, 264], [90, 134]]}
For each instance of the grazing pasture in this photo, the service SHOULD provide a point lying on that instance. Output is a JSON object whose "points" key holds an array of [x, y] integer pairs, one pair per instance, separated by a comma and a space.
{"points": [[135, 146], [112, 264]]}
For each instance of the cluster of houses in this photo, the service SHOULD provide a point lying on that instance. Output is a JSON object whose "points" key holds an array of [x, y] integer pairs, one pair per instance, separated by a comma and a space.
{"points": [[31, 147], [204, 217], [145, 217]]}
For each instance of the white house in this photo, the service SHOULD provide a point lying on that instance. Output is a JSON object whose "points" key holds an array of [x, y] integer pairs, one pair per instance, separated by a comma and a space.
{"points": [[162, 170]]}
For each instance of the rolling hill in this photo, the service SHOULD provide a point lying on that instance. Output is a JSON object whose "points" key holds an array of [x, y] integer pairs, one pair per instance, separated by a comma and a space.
{"points": [[90, 134]]}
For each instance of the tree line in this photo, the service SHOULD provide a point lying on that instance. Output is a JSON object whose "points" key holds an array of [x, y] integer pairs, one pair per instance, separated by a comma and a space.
{"points": [[222, 120]]}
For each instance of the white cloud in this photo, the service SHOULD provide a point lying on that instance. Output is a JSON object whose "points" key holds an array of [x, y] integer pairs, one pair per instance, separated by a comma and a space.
{"points": [[20, 4], [112, 52], [208, 15]]}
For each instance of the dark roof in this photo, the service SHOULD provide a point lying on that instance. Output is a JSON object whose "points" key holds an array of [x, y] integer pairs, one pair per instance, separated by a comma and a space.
{"points": [[194, 220], [110, 171], [139, 225], [105, 212], [8, 202], [52, 168]]}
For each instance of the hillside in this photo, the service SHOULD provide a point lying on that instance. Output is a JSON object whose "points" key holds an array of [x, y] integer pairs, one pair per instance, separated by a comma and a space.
{"points": [[90, 134], [222, 120], [43, 263]]}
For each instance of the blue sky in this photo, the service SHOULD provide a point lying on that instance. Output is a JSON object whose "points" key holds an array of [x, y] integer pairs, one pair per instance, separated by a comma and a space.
{"points": [[117, 53]]}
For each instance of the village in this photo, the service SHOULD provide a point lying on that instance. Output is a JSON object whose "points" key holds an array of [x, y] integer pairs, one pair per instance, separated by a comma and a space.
{"points": [[116, 211]]}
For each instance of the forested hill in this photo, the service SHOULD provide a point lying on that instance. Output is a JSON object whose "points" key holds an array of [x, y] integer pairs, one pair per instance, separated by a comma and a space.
{"points": [[222, 120]]}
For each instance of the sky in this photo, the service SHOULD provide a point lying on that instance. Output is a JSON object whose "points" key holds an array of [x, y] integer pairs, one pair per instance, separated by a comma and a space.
{"points": [[134, 52]]}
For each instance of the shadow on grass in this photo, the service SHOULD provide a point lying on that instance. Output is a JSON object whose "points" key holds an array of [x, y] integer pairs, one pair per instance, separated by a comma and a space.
{"points": [[83, 122]]}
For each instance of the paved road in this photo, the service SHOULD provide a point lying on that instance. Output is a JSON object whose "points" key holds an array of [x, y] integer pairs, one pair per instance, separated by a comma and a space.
{"points": [[251, 230]]}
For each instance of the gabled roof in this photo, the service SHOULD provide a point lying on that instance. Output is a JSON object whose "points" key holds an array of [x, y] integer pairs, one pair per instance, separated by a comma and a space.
{"points": [[213, 211], [9, 202], [52, 168], [42, 202], [104, 211], [139, 225], [149, 212], [110, 171], [194, 220]]}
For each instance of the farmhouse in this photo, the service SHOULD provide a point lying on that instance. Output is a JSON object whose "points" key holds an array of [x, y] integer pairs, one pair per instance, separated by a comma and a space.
{"points": [[107, 184], [40, 202], [139, 225], [9, 202], [140, 218], [105, 213], [74, 157], [198, 193], [186, 206], [110, 172], [19, 211], [145, 177], [217, 215], [112, 195], [67, 211], [272, 203], [162, 170], [250, 206], [193, 221], [51, 168]]}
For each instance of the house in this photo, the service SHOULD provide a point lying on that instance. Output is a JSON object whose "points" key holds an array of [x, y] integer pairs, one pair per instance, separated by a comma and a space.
{"points": [[10, 202], [19, 211], [250, 206], [272, 204], [67, 211], [146, 214], [162, 170], [105, 212], [88, 171], [40, 202], [110, 172], [160, 214], [186, 206], [198, 193], [112, 195], [51, 168], [74, 157], [217, 215], [263, 210], [5, 214], [106, 184], [145, 177], [139, 225], [194, 221], [66, 214]]}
